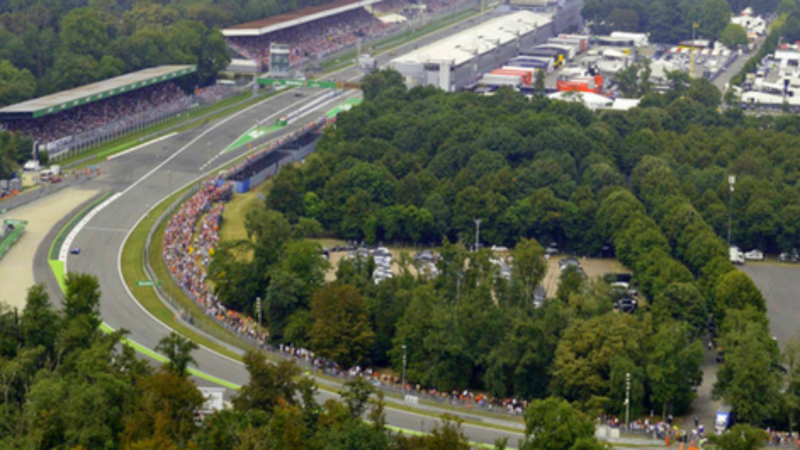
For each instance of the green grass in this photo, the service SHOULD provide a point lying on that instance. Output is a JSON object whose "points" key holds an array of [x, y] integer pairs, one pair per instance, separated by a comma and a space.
{"points": [[133, 271], [232, 228], [123, 143]]}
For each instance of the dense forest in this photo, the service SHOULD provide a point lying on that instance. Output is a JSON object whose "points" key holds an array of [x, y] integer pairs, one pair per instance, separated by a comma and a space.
{"points": [[668, 21], [417, 166], [67, 385]]}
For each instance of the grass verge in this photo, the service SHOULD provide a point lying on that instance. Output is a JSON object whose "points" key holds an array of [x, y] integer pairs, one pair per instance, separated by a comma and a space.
{"points": [[233, 218], [133, 271], [217, 110]]}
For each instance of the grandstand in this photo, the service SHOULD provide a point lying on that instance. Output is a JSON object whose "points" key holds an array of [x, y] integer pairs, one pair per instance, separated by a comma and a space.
{"points": [[89, 114], [314, 33]]}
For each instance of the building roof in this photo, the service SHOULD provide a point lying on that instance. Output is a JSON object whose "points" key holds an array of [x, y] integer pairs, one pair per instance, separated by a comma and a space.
{"points": [[51, 104], [301, 16], [483, 38]]}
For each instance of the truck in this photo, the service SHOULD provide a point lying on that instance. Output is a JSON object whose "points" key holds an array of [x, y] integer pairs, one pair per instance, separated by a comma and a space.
{"points": [[724, 419], [736, 256], [498, 80]]}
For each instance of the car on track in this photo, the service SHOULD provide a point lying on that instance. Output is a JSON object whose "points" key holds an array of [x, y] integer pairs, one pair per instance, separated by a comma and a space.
{"points": [[75, 251], [754, 255]]}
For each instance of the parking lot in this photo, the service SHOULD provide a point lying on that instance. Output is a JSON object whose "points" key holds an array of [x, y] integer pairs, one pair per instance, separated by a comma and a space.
{"points": [[780, 285], [594, 268]]}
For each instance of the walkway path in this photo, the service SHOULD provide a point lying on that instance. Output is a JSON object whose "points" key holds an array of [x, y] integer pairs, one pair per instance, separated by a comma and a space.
{"points": [[704, 407]]}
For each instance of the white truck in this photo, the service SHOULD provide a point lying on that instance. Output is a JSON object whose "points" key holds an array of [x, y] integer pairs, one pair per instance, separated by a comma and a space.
{"points": [[736, 256]]}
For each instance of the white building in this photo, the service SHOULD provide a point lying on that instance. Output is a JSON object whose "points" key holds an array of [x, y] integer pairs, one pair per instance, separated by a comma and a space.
{"points": [[459, 60]]}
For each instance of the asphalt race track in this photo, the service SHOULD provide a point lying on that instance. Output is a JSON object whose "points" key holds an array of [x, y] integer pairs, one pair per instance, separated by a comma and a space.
{"points": [[150, 174]]}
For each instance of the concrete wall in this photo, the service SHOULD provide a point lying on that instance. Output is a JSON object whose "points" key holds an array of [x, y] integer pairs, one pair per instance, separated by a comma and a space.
{"points": [[272, 170]]}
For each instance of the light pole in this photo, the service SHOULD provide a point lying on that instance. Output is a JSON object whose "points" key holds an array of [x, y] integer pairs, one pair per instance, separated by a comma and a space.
{"points": [[731, 182], [258, 309], [403, 380], [477, 233], [627, 399]]}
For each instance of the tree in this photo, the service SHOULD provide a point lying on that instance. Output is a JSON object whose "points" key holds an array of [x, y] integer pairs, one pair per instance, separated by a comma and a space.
{"points": [[528, 270], [682, 302], [82, 298], [178, 351], [715, 15], [554, 424], [791, 395], [269, 386], [341, 330], [736, 290], [623, 19], [380, 81], [570, 282], [787, 7], [39, 323], [539, 83], [749, 380], [733, 36], [163, 411], [15, 85], [740, 437], [673, 367], [587, 352], [704, 92]]}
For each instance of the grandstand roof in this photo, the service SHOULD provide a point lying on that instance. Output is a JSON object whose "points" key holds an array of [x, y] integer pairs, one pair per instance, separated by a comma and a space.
{"points": [[51, 104], [483, 38], [301, 16]]}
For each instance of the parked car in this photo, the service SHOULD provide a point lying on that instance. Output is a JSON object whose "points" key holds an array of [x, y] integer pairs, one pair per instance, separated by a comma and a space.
{"points": [[791, 257], [566, 262], [754, 255], [425, 256], [627, 305]]}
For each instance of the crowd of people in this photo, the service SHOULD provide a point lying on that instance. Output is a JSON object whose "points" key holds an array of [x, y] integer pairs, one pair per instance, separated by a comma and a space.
{"points": [[104, 116], [213, 93], [190, 238], [465, 398], [313, 40], [387, 6]]}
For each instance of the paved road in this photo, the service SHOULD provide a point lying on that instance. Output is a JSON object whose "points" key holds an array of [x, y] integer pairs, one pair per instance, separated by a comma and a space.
{"points": [[779, 283], [149, 175]]}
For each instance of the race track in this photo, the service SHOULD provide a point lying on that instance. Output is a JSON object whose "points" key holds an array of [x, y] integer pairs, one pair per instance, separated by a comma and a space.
{"points": [[150, 174]]}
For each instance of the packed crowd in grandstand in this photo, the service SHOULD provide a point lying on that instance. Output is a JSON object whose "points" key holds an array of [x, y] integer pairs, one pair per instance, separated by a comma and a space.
{"points": [[328, 35], [319, 38], [94, 116], [113, 114]]}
